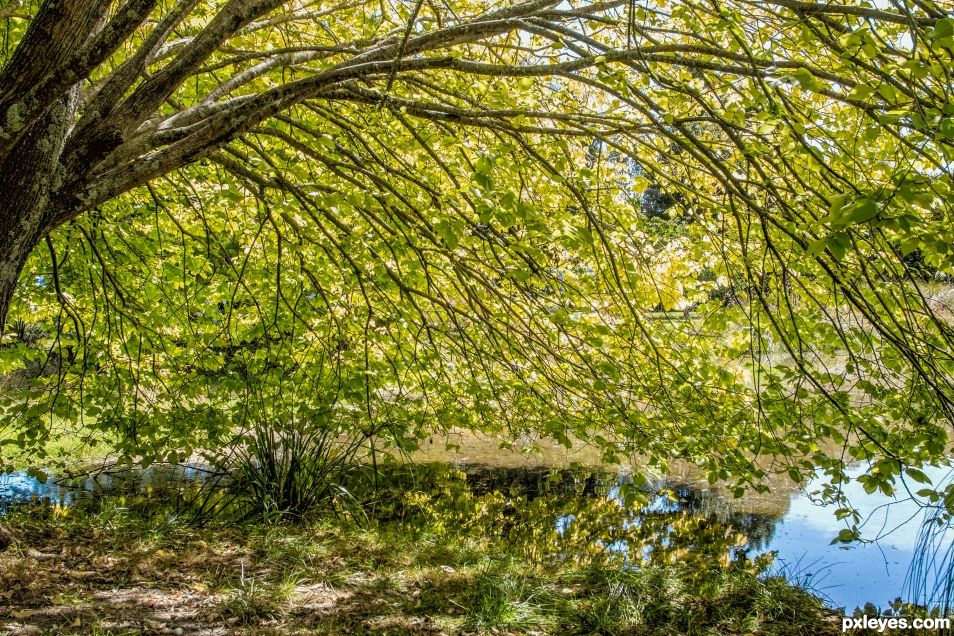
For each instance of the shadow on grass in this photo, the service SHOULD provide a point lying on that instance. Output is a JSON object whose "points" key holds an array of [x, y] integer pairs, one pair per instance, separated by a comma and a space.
{"points": [[114, 572]]}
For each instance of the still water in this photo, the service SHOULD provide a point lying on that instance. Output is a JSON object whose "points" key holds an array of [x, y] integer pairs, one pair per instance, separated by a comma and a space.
{"points": [[789, 523], [857, 573], [851, 575]]}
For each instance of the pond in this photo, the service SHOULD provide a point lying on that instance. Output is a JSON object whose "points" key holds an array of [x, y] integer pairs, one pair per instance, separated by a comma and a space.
{"points": [[684, 520]]}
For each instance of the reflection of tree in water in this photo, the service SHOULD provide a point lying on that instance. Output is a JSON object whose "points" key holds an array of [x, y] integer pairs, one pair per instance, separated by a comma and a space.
{"points": [[535, 482], [568, 512], [758, 528]]}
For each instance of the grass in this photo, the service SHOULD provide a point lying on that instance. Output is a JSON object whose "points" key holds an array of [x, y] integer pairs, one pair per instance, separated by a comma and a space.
{"points": [[621, 600], [672, 599], [502, 599], [254, 600], [331, 576]]}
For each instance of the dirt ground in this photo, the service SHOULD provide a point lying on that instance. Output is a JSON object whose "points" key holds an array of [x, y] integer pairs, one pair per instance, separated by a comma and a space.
{"points": [[61, 586]]}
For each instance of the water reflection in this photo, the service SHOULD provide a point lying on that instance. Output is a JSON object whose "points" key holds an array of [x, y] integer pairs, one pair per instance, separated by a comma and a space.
{"points": [[856, 573], [168, 484], [576, 514]]}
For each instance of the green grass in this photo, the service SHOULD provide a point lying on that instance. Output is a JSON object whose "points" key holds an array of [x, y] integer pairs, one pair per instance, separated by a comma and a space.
{"points": [[502, 598], [253, 575], [674, 599], [254, 600]]}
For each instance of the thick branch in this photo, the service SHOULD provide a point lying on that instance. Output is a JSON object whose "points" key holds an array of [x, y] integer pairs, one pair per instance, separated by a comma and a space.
{"points": [[126, 75], [90, 148], [852, 10], [58, 31], [34, 102]]}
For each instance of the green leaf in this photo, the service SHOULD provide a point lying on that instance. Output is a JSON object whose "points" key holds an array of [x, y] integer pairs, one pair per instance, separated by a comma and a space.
{"points": [[805, 79], [854, 212], [943, 28], [861, 92], [889, 92], [845, 536], [838, 244]]}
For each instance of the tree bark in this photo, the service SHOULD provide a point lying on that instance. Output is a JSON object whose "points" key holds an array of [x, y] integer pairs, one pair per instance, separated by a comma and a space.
{"points": [[28, 176], [30, 148], [49, 48]]}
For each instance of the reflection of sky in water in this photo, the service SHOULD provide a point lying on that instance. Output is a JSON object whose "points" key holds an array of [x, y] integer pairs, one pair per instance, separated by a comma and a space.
{"points": [[18, 486], [854, 574]]}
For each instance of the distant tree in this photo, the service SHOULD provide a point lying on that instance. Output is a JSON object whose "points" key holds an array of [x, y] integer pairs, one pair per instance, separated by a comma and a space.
{"points": [[656, 203]]}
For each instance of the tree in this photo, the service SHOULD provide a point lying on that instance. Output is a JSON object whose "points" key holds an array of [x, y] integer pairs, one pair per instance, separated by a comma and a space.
{"points": [[443, 188], [85, 93]]}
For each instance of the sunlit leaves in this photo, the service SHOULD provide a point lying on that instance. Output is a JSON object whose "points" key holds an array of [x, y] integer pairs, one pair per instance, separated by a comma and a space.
{"points": [[706, 235]]}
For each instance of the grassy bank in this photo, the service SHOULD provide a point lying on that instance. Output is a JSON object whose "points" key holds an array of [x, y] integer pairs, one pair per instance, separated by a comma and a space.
{"points": [[117, 572], [420, 549]]}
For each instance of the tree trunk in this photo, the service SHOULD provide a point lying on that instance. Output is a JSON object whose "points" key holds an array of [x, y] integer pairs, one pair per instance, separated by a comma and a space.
{"points": [[27, 180], [29, 176], [15, 246], [31, 146], [33, 131]]}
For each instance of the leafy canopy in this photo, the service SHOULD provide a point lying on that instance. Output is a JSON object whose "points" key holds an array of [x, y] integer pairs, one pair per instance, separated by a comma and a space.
{"points": [[396, 218]]}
